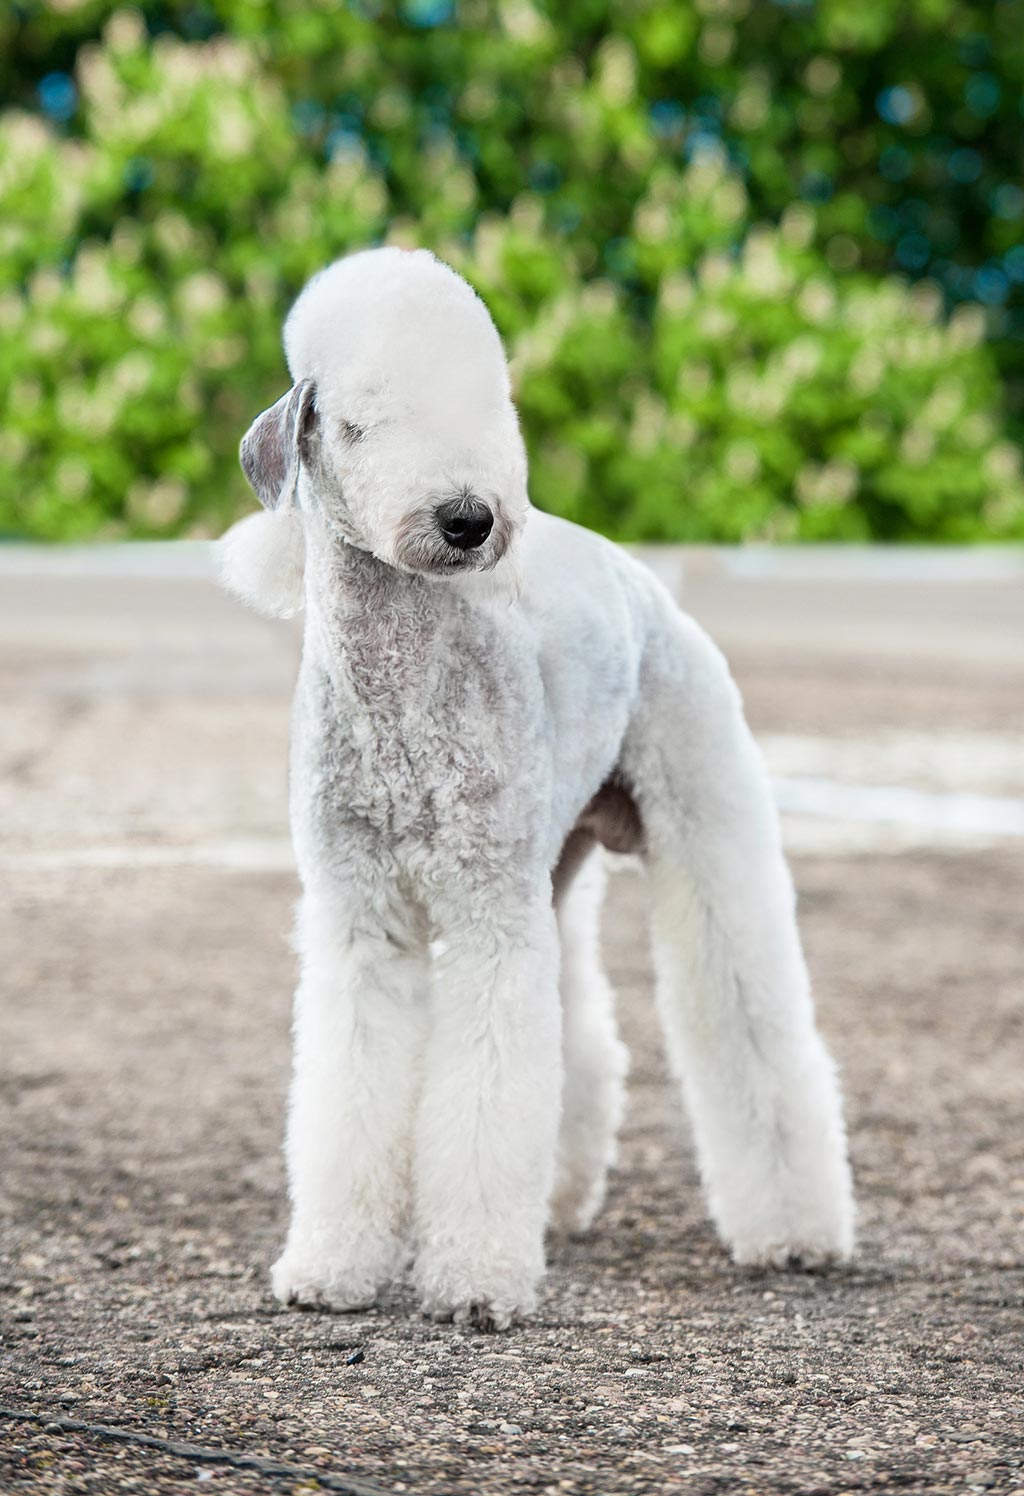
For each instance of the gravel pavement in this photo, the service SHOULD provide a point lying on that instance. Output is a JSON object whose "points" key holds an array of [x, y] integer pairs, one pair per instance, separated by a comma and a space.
{"points": [[144, 997]]}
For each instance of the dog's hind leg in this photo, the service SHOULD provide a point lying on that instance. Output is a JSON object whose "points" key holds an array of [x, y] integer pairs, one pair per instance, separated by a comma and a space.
{"points": [[594, 1057], [733, 991]]}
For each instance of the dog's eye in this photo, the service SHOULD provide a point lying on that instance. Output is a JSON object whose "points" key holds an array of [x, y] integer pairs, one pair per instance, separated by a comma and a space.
{"points": [[351, 433]]}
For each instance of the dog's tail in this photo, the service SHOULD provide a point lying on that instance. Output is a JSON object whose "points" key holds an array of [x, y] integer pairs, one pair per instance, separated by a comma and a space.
{"points": [[262, 559]]}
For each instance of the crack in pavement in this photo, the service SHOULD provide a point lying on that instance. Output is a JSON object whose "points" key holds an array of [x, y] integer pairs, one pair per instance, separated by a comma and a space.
{"points": [[194, 1452]]}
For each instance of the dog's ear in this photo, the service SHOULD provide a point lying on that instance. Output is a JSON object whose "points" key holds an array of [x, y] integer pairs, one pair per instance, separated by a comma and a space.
{"points": [[271, 447]]}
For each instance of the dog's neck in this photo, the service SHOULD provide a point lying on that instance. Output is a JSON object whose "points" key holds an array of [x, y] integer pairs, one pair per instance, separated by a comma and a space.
{"points": [[378, 632]]}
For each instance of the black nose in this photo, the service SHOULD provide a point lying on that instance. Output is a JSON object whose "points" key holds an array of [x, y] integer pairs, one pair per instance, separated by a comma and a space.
{"points": [[464, 523]]}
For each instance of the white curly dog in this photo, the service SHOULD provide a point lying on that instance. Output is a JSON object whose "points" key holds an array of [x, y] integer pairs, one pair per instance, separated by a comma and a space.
{"points": [[486, 693]]}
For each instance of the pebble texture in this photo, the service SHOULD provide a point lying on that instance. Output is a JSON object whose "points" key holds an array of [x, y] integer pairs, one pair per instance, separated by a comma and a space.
{"points": [[143, 1202]]}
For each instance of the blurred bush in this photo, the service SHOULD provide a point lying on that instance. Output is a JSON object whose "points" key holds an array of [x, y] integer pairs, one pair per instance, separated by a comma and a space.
{"points": [[684, 217]]}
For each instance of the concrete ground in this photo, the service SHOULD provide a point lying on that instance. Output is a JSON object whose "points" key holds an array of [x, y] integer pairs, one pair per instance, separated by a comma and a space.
{"points": [[146, 892]]}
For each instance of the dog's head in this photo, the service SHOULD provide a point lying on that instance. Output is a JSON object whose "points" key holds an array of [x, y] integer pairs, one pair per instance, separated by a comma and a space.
{"points": [[399, 432]]}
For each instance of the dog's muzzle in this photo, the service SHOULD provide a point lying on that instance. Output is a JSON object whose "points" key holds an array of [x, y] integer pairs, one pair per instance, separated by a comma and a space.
{"points": [[465, 523]]}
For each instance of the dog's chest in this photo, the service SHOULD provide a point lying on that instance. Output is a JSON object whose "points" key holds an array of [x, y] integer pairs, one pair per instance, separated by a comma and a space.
{"points": [[421, 740]]}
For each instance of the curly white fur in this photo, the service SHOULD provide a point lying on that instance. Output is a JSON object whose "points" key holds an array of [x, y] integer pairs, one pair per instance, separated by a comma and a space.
{"points": [[467, 724]]}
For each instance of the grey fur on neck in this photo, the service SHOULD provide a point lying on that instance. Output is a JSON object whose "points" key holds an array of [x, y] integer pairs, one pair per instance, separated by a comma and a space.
{"points": [[377, 631]]}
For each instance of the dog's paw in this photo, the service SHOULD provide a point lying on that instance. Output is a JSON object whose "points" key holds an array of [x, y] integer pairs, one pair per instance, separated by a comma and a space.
{"points": [[799, 1253], [814, 1230], [488, 1313], [479, 1314], [311, 1285], [343, 1280], [465, 1294]]}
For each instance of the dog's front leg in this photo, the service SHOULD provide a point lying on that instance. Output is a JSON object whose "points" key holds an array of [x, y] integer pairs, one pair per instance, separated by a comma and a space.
{"points": [[359, 1013], [488, 1121]]}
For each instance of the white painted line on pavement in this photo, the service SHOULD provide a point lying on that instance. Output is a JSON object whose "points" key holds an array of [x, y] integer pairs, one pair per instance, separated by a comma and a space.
{"points": [[871, 563], [154, 560], [940, 762], [180, 560], [818, 815], [894, 805], [241, 854]]}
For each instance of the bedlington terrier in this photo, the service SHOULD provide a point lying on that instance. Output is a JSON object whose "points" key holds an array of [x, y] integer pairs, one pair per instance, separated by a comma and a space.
{"points": [[486, 694]]}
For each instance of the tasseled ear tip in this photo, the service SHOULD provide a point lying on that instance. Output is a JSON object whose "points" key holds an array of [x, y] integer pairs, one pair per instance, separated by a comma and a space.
{"points": [[262, 560]]}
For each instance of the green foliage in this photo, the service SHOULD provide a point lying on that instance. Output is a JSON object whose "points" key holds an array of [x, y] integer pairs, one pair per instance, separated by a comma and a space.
{"points": [[696, 355]]}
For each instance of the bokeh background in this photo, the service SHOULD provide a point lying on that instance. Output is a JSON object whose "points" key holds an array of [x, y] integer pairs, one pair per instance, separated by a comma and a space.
{"points": [[759, 265]]}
